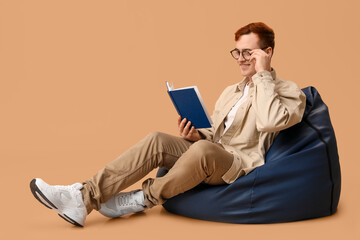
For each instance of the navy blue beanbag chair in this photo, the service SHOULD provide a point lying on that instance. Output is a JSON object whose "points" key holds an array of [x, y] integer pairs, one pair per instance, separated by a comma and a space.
{"points": [[299, 180]]}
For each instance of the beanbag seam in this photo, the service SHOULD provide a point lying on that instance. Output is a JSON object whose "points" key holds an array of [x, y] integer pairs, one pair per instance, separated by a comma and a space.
{"points": [[252, 193], [328, 159]]}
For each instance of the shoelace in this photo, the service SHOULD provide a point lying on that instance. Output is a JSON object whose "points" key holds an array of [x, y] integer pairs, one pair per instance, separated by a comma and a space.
{"points": [[75, 186], [67, 187], [124, 200]]}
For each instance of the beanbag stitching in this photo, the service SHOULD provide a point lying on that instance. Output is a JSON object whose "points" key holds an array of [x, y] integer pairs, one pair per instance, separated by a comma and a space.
{"points": [[252, 193], [328, 158]]}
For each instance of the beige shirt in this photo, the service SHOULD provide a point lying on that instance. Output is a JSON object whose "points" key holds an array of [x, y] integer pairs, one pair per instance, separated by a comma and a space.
{"points": [[271, 106], [231, 115]]}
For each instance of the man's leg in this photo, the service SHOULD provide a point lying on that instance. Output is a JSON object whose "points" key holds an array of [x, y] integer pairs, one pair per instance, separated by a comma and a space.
{"points": [[203, 161], [155, 150]]}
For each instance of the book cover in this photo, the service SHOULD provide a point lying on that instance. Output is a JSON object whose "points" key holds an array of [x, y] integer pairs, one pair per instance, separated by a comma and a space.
{"points": [[189, 105]]}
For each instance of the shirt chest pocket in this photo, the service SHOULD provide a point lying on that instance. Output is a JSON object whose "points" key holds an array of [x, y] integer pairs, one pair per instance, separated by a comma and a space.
{"points": [[247, 131], [217, 117]]}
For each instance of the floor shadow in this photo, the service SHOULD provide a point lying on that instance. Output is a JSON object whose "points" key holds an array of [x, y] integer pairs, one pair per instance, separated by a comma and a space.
{"points": [[100, 220]]}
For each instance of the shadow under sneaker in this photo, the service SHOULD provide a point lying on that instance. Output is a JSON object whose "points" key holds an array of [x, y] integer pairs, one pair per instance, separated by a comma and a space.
{"points": [[124, 203], [66, 200]]}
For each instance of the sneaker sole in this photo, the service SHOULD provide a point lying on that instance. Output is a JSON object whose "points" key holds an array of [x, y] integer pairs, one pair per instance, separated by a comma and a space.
{"points": [[47, 203]]}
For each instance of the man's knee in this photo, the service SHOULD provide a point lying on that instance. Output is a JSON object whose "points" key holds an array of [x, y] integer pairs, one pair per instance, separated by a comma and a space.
{"points": [[211, 158], [156, 136], [203, 148]]}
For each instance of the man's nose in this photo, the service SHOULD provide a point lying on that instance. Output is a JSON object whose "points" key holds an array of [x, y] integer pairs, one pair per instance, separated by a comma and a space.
{"points": [[241, 59]]}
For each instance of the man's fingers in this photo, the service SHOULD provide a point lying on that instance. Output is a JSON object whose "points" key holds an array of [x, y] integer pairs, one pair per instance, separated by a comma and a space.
{"points": [[258, 53], [186, 129], [182, 124], [179, 120], [192, 131], [254, 55], [252, 58]]}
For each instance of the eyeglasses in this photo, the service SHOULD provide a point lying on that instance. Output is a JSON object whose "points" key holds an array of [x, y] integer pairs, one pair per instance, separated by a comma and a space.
{"points": [[235, 53]]}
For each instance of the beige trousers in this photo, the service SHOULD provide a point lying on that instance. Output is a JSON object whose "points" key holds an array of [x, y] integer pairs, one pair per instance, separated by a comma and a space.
{"points": [[189, 163]]}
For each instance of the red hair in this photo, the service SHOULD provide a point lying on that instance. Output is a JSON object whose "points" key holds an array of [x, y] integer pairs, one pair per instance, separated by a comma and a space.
{"points": [[264, 32]]}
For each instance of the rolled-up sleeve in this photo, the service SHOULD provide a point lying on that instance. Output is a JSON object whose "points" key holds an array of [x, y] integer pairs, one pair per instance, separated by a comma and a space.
{"points": [[207, 133], [277, 104]]}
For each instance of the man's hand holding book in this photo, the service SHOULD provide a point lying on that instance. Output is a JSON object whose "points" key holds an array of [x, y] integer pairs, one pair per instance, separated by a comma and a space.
{"points": [[187, 131]]}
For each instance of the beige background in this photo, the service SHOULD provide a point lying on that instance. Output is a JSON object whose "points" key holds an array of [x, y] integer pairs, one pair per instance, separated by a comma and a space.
{"points": [[81, 81]]}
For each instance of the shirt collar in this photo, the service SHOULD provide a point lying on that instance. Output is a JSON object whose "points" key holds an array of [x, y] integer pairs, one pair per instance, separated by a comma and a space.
{"points": [[241, 85]]}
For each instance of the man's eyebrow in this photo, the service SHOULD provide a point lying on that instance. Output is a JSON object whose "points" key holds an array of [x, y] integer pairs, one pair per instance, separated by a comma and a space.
{"points": [[245, 49]]}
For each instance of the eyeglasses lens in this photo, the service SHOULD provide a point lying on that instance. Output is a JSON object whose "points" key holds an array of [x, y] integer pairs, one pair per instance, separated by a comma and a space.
{"points": [[246, 55], [236, 54]]}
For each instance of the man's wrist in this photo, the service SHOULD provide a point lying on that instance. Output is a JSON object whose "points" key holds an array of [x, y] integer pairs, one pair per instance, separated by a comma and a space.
{"points": [[257, 77]]}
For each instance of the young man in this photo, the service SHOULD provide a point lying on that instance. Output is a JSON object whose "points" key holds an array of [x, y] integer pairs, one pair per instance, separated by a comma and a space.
{"points": [[247, 118]]}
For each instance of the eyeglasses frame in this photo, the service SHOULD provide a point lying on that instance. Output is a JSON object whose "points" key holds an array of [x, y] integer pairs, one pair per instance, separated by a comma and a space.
{"points": [[241, 53]]}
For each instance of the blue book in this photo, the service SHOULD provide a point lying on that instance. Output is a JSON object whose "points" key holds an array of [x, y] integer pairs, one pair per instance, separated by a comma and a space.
{"points": [[189, 105]]}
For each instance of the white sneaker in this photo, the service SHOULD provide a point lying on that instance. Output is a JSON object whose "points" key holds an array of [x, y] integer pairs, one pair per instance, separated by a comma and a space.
{"points": [[66, 200], [124, 203]]}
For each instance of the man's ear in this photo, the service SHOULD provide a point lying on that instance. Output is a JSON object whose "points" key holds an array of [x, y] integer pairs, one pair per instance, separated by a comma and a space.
{"points": [[269, 50]]}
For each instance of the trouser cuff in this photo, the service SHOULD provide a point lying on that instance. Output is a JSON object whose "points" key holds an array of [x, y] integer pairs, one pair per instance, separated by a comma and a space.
{"points": [[87, 198], [150, 200]]}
